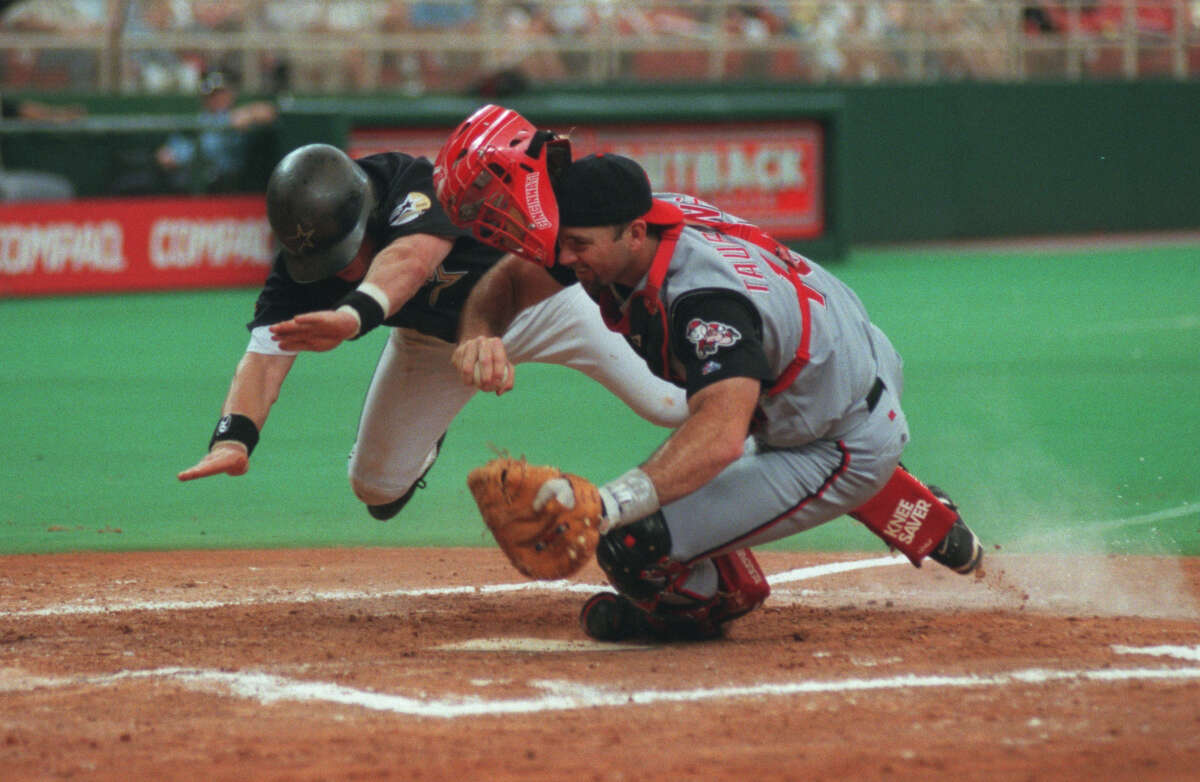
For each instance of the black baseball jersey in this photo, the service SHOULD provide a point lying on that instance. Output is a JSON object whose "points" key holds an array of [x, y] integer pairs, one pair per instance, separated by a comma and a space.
{"points": [[407, 206]]}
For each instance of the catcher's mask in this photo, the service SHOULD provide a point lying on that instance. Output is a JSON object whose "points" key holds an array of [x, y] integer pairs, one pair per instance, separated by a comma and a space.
{"points": [[318, 203], [494, 176]]}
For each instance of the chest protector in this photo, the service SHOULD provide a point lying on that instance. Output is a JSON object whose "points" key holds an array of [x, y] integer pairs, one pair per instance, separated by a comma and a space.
{"points": [[643, 319]]}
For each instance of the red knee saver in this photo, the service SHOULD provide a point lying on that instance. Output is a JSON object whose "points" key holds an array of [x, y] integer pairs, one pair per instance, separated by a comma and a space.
{"points": [[907, 516]]}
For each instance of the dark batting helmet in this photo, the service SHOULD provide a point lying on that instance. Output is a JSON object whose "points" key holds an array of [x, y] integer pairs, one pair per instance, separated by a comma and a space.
{"points": [[318, 202]]}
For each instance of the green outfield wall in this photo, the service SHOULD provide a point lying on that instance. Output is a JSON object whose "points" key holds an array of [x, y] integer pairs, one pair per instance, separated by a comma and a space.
{"points": [[904, 162]]}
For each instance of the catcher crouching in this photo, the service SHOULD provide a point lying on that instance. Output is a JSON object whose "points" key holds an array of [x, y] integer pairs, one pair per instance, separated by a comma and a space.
{"points": [[772, 350]]}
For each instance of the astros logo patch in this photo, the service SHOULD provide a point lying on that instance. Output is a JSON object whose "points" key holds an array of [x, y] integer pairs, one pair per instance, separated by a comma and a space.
{"points": [[413, 206], [710, 336]]}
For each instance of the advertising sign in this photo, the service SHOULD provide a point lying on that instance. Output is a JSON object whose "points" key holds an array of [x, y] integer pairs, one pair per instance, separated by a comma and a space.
{"points": [[133, 244], [771, 174]]}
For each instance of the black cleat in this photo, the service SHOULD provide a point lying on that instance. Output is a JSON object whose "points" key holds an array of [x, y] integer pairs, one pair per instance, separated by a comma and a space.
{"points": [[960, 550], [610, 617], [389, 510]]}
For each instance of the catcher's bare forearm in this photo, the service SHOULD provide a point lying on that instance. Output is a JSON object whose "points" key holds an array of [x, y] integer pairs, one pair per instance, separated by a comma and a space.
{"points": [[491, 305], [507, 288], [711, 438]]}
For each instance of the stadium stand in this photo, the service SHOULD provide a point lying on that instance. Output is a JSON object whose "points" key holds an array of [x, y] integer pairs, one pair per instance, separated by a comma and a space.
{"points": [[420, 46]]}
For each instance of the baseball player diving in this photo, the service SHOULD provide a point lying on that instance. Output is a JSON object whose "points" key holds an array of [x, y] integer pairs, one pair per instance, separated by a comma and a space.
{"points": [[764, 341], [365, 243]]}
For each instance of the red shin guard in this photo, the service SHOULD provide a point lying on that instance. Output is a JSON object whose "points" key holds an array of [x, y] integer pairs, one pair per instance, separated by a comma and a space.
{"points": [[741, 587], [907, 516]]}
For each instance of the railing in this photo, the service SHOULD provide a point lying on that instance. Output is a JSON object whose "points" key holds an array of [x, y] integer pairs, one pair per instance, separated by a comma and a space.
{"points": [[345, 46]]}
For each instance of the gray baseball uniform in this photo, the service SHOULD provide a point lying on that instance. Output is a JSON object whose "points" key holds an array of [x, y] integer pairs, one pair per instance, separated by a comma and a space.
{"points": [[829, 429]]}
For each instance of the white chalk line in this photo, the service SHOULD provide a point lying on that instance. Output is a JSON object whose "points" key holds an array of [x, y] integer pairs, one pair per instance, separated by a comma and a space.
{"points": [[91, 607], [558, 695], [816, 571], [1166, 650], [536, 645], [1073, 529], [106, 607], [799, 574]]}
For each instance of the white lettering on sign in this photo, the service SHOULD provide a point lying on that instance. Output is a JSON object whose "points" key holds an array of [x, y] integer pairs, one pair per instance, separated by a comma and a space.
{"points": [[61, 247], [181, 243], [730, 167]]}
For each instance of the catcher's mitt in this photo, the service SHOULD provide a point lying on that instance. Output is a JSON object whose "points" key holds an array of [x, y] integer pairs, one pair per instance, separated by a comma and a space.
{"points": [[546, 536]]}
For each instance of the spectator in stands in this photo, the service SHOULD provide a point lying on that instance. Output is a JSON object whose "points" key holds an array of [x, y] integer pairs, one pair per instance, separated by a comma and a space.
{"points": [[1039, 19], [77, 21], [343, 65], [36, 111], [576, 20], [433, 68], [288, 18], [829, 27], [674, 24], [226, 16], [24, 185], [218, 16], [346, 21], [442, 14], [748, 26], [212, 160], [528, 58], [976, 34], [159, 69]]}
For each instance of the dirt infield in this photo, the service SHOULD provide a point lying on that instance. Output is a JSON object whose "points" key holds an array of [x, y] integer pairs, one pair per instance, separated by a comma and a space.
{"points": [[411, 664]]}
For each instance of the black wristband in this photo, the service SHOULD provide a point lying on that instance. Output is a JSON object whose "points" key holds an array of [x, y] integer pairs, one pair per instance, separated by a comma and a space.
{"points": [[238, 428], [370, 313]]}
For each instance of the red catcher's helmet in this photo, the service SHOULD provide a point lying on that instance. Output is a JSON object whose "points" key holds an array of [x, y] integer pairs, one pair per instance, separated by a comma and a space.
{"points": [[493, 177]]}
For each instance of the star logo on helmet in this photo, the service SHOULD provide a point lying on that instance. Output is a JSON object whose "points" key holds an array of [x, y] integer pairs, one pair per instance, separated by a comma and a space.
{"points": [[303, 239]]}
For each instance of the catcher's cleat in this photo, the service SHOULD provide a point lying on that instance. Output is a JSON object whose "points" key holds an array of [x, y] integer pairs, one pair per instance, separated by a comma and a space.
{"points": [[960, 550], [389, 510], [610, 617]]}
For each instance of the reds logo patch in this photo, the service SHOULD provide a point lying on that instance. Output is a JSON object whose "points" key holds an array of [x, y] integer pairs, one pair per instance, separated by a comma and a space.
{"points": [[710, 336]]}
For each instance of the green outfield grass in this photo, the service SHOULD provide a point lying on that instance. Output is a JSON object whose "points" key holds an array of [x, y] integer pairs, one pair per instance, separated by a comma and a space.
{"points": [[1052, 393]]}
